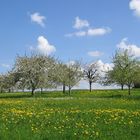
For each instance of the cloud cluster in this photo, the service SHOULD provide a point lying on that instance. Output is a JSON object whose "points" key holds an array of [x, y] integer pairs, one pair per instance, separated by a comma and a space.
{"points": [[43, 46], [88, 31], [104, 67], [98, 31], [135, 6], [132, 48], [37, 18]]}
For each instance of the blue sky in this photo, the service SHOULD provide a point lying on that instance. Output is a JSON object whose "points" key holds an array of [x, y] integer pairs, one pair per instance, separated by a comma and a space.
{"points": [[69, 29]]}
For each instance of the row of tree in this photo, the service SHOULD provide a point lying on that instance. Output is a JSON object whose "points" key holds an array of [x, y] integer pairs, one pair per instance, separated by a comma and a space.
{"points": [[42, 72]]}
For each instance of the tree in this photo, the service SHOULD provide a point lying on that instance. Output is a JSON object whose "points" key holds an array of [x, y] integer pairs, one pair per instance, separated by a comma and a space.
{"points": [[116, 76], [137, 81], [74, 74], [131, 73], [34, 70], [67, 75], [125, 70], [2, 83], [46, 77], [91, 74], [9, 81], [60, 76]]}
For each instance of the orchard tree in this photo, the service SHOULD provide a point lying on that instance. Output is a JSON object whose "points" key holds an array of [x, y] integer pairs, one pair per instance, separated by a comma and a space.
{"points": [[10, 80], [137, 80], [132, 73], [116, 75], [74, 74], [33, 70], [2, 82], [125, 70], [61, 75], [67, 75], [46, 77], [91, 74]]}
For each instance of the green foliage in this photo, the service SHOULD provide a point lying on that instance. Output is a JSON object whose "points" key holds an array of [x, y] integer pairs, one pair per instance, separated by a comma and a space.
{"points": [[125, 70]]}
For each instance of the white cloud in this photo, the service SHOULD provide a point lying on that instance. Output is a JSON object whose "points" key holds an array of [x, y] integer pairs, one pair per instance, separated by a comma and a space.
{"points": [[135, 6], [90, 32], [5, 65], [104, 67], [44, 47], [98, 31], [132, 48], [78, 34], [80, 23], [37, 18], [95, 53]]}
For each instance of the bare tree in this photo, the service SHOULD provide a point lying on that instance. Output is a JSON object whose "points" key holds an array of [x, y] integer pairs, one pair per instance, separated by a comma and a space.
{"points": [[91, 74]]}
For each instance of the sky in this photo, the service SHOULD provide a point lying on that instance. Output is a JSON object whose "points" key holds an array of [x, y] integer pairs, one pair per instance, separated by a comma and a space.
{"points": [[87, 30]]}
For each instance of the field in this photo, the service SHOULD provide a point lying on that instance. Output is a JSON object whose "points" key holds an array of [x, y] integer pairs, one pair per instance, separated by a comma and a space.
{"points": [[101, 115]]}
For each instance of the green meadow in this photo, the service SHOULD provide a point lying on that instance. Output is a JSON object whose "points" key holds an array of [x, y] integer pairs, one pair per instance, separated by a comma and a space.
{"points": [[99, 115]]}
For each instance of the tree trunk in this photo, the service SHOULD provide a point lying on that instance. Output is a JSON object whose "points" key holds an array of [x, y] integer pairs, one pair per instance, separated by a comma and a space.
{"points": [[33, 91], [129, 89], [41, 89], [122, 86], [9, 90], [69, 90], [90, 86], [12, 90], [64, 88], [23, 90]]}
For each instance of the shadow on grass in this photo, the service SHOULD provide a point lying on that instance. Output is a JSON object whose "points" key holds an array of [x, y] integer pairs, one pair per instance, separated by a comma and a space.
{"points": [[103, 94], [15, 96], [119, 96]]}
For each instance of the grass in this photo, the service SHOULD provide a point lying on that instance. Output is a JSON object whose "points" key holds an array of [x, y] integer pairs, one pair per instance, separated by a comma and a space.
{"points": [[101, 115]]}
